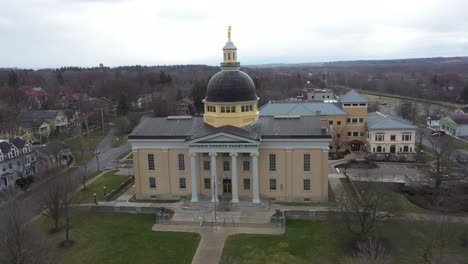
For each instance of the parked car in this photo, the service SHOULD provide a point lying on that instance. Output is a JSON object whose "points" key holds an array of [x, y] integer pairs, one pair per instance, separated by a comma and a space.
{"points": [[438, 132], [461, 159]]}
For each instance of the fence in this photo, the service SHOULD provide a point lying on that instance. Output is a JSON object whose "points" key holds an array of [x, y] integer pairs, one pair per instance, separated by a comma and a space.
{"points": [[119, 188]]}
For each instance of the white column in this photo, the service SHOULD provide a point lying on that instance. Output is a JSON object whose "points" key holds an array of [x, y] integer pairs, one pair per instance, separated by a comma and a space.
{"points": [[193, 172], [256, 192], [235, 192], [214, 181]]}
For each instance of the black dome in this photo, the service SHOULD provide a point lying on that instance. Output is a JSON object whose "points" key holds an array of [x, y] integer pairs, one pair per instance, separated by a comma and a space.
{"points": [[230, 86]]}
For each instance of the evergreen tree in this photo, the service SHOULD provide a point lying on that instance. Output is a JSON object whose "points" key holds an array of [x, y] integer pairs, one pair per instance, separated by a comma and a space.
{"points": [[162, 77], [60, 79], [179, 94], [122, 106], [12, 79]]}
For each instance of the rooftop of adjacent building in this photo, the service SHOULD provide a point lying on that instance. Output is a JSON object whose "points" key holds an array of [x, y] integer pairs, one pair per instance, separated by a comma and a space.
{"points": [[377, 120], [301, 108], [353, 97]]}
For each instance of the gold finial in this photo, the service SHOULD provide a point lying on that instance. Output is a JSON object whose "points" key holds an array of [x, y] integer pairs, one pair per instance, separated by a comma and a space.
{"points": [[229, 33]]}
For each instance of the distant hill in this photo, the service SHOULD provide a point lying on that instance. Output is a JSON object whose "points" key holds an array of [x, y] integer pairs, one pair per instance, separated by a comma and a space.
{"points": [[409, 61]]}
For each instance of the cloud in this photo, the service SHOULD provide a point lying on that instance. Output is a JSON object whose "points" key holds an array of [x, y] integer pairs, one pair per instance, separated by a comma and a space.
{"points": [[52, 33]]}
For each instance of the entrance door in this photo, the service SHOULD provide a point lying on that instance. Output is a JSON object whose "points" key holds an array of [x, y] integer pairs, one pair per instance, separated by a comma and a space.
{"points": [[355, 147], [227, 186], [392, 149]]}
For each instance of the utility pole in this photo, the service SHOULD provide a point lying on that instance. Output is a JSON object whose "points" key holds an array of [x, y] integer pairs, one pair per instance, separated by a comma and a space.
{"points": [[102, 120]]}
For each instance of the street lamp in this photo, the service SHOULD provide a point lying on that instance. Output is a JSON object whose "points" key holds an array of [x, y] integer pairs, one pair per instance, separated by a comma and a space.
{"points": [[95, 199], [345, 167], [96, 154], [104, 191]]}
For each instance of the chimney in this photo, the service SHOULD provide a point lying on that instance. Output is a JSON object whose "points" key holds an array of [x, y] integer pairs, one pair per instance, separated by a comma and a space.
{"points": [[305, 95]]}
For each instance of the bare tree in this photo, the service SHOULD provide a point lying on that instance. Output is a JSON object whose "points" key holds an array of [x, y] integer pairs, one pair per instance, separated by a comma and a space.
{"points": [[337, 139], [370, 251], [368, 204], [20, 242], [373, 107], [51, 199], [443, 152]]}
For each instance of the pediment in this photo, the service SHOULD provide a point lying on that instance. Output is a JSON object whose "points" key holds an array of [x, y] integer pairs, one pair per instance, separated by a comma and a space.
{"points": [[223, 137]]}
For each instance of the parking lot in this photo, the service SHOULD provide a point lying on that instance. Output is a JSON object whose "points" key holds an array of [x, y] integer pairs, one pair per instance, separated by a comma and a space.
{"points": [[387, 172]]}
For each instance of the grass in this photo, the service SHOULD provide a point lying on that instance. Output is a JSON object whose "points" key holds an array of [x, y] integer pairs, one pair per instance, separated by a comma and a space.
{"points": [[109, 180], [120, 238], [86, 144], [328, 242], [119, 141], [381, 99], [135, 200]]}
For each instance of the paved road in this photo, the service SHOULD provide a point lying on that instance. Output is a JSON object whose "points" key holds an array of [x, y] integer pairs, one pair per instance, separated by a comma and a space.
{"points": [[108, 158]]}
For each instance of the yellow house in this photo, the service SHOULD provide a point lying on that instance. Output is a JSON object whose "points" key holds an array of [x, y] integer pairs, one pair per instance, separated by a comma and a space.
{"points": [[232, 152]]}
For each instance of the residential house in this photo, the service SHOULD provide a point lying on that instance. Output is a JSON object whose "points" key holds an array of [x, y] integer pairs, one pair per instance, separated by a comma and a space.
{"points": [[390, 136], [456, 125], [12, 130], [17, 160], [184, 106], [316, 94], [36, 98], [433, 121], [55, 154], [57, 119]]}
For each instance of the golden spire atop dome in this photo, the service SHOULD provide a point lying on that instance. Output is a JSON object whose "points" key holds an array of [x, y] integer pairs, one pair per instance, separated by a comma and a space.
{"points": [[229, 33]]}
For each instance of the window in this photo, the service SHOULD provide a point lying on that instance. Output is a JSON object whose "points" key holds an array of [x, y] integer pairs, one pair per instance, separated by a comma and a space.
{"points": [[392, 137], [306, 185], [379, 149], [338, 122], [10, 165], [207, 183], [233, 109], [405, 149], [206, 165], [182, 183], [272, 184], [348, 120], [355, 134], [229, 56], [406, 137], [211, 108], [362, 104], [354, 120], [306, 162], [362, 133], [150, 161], [223, 109], [246, 165], [246, 184], [361, 120], [272, 162], [181, 162], [234, 56], [350, 134], [346, 104], [330, 122], [379, 137], [355, 104], [152, 183], [226, 166]]}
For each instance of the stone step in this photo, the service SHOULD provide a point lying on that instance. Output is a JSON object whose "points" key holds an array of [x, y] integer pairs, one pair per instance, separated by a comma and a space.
{"points": [[236, 224]]}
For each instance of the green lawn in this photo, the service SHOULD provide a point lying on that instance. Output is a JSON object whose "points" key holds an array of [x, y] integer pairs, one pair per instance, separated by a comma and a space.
{"points": [[328, 242], [120, 238], [119, 141], [381, 99], [109, 180], [87, 144]]}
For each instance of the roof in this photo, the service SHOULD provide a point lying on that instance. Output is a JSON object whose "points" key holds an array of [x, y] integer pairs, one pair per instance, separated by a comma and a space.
{"points": [[231, 86], [460, 119], [229, 46], [301, 108], [37, 115], [52, 148], [377, 120], [353, 97], [186, 99], [195, 127], [5, 146], [31, 124]]}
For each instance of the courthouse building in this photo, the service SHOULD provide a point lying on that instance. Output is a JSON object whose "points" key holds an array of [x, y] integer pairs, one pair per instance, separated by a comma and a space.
{"points": [[232, 152]]}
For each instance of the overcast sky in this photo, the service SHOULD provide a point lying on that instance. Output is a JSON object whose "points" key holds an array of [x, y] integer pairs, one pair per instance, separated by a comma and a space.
{"points": [[54, 33]]}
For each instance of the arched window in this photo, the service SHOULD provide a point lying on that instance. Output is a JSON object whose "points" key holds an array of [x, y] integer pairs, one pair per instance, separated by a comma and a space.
{"points": [[379, 149], [229, 56], [234, 56], [405, 149]]}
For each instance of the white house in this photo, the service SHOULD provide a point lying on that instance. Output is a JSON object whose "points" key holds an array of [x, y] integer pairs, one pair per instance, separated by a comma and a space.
{"points": [[390, 134]]}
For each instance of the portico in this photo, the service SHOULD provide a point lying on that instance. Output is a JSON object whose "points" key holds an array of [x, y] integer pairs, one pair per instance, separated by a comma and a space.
{"points": [[216, 151]]}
